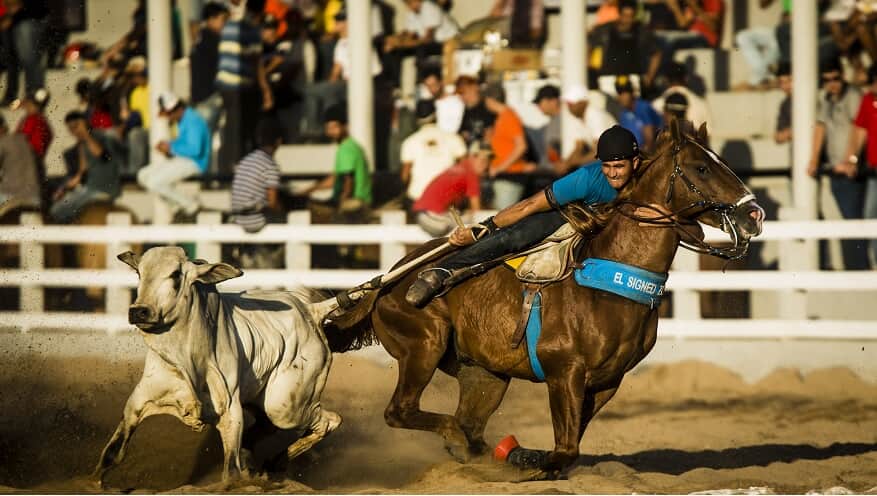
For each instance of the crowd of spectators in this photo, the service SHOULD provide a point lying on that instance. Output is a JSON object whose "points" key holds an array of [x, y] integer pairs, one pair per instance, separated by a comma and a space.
{"points": [[266, 72]]}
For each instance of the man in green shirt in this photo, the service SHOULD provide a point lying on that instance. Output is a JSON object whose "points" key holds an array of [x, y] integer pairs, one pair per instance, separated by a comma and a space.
{"points": [[351, 179]]}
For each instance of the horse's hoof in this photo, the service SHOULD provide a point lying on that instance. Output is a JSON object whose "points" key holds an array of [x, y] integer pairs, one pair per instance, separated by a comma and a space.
{"points": [[478, 448], [459, 452], [528, 458]]}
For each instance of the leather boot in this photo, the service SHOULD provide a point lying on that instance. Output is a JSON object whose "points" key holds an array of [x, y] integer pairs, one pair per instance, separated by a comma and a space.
{"points": [[427, 285]]}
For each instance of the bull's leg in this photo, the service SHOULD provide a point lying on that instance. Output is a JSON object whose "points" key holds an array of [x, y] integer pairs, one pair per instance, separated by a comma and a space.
{"points": [[416, 369], [325, 422], [481, 393], [231, 428]]}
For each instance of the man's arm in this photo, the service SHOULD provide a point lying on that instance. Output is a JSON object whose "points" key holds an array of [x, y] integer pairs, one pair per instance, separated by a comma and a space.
{"points": [[325, 183], [818, 138], [272, 201], [346, 188], [463, 236], [405, 173], [335, 75], [262, 78]]}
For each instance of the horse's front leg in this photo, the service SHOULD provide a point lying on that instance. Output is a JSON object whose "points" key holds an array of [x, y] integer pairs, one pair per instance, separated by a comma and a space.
{"points": [[566, 396]]}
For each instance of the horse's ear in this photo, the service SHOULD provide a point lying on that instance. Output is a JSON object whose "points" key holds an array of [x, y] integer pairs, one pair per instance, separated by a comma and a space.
{"points": [[675, 130], [702, 134]]}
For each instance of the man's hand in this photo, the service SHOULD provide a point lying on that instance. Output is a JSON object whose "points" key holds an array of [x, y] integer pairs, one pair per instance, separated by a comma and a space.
{"points": [[267, 100], [462, 236], [164, 147], [813, 168], [846, 169]]}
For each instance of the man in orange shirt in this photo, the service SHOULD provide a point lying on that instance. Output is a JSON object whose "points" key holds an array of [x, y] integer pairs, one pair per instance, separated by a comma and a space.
{"points": [[509, 168]]}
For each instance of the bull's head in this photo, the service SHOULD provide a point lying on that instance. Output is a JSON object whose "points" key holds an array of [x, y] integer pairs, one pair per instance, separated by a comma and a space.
{"points": [[166, 282]]}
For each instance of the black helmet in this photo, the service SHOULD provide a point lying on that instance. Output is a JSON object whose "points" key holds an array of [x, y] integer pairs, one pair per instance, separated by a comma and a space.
{"points": [[616, 143]]}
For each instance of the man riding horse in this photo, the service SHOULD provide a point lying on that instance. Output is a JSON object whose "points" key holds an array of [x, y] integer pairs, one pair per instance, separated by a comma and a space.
{"points": [[526, 223]]}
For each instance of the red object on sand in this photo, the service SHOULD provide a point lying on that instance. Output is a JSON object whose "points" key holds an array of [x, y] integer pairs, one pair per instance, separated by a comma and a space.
{"points": [[506, 446]]}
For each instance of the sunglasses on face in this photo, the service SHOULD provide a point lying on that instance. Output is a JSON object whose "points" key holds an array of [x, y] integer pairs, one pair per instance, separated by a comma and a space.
{"points": [[829, 79]]}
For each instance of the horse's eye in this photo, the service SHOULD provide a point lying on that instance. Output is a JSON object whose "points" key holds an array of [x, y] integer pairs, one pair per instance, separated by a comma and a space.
{"points": [[702, 170]]}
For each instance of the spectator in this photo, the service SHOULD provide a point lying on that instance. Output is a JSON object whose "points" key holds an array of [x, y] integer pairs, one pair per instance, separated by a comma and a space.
{"points": [[761, 49], [256, 180], [625, 46], [527, 20], [351, 180], [35, 127], [865, 131], [19, 173], [428, 152], [543, 142], [23, 30], [701, 20], [452, 188], [509, 143], [280, 64], [843, 21], [204, 59], [186, 156], [477, 118], [636, 115], [432, 87], [588, 122], [606, 13], [137, 117], [783, 132], [677, 77], [97, 177], [324, 94], [675, 107], [426, 28], [328, 36], [838, 107], [242, 83]]}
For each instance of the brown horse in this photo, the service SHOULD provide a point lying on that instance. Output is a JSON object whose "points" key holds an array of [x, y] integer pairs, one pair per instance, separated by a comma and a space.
{"points": [[590, 338]]}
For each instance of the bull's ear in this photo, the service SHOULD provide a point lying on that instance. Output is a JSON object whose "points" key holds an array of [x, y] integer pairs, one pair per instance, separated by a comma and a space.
{"points": [[130, 258], [216, 273]]}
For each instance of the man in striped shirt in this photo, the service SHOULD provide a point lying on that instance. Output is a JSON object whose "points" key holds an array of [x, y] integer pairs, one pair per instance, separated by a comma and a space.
{"points": [[256, 179], [242, 83]]}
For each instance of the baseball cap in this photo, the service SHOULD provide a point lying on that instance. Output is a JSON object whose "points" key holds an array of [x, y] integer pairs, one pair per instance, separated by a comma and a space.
{"points": [[617, 143], [575, 93], [167, 102], [547, 92], [676, 104], [623, 84]]}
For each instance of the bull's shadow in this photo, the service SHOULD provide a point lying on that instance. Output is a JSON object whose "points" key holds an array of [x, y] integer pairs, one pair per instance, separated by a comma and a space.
{"points": [[676, 462]]}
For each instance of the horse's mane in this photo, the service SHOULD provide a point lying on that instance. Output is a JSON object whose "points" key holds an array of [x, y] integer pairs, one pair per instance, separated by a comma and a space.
{"points": [[588, 220]]}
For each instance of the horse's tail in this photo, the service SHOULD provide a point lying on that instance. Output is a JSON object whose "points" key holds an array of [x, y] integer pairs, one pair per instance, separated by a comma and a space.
{"points": [[344, 339], [351, 331]]}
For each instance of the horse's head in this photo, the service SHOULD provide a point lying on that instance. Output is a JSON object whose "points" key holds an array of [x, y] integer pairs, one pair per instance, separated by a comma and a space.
{"points": [[701, 187]]}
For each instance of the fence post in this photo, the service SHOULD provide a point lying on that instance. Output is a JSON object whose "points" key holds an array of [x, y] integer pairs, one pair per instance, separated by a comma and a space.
{"points": [[297, 255], [209, 250], [686, 302], [795, 255], [32, 256], [118, 298], [392, 252]]}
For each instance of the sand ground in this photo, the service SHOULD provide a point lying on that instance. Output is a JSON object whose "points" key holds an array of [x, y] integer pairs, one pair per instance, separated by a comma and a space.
{"points": [[674, 428]]}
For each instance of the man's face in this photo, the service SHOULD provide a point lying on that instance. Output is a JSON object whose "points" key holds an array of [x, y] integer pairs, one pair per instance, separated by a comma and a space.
{"points": [[414, 5], [626, 18], [785, 83], [550, 106], [217, 22], [269, 35], [77, 128], [433, 85], [625, 98], [578, 108], [470, 95], [341, 27], [335, 130], [619, 172], [832, 82]]}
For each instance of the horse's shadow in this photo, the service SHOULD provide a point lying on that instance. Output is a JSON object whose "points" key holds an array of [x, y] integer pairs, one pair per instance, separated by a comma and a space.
{"points": [[676, 462]]}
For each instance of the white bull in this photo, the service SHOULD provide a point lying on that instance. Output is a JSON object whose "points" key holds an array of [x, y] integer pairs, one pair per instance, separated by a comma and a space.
{"points": [[212, 354]]}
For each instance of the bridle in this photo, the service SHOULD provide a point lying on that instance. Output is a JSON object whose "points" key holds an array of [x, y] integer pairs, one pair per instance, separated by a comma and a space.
{"points": [[704, 204]]}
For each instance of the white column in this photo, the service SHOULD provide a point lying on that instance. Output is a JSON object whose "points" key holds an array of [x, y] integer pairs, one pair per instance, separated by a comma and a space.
{"points": [[159, 60], [574, 52], [804, 75], [360, 90]]}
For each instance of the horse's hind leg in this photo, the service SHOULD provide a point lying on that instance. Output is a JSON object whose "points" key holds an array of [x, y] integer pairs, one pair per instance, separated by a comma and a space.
{"points": [[416, 369], [481, 393]]}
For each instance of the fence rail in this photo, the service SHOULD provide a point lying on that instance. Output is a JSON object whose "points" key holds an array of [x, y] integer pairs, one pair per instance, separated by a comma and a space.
{"points": [[686, 280]]}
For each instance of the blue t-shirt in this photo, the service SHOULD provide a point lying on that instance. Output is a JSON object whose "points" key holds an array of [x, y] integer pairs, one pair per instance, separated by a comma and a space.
{"points": [[642, 115], [193, 139], [587, 184]]}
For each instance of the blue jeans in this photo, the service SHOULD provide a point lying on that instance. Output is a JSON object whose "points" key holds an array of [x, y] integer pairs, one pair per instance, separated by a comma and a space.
{"points": [[760, 49], [871, 210], [68, 207], [850, 197], [25, 44]]}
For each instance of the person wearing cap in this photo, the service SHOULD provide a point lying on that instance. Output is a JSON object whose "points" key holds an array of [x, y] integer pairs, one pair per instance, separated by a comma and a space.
{"points": [[204, 58], [636, 115], [428, 152], [34, 126], [675, 107], [99, 159], [350, 180], [19, 172], [186, 156], [865, 135], [677, 78], [588, 122], [624, 46], [544, 140], [838, 107], [528, 222], [509, 169], [457, 186]]}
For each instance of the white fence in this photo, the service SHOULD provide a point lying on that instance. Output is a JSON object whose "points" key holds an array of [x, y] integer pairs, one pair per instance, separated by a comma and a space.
{"points": [[392, 234]]}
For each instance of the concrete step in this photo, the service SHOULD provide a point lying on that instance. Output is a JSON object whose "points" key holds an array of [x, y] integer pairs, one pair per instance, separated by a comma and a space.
{"points": [[753, 154], [744, 114]]}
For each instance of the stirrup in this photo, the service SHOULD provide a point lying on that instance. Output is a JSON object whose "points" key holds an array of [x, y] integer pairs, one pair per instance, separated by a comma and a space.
{"points": [[428, 284]]}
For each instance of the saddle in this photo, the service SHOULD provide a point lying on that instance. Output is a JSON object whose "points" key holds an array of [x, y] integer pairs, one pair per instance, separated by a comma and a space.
{"points": [[551, 261]]}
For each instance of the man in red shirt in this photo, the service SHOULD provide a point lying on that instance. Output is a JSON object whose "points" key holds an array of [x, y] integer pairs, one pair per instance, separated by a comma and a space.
{"points": [[865, 128], [702, 21], [34, 126], [451, 188]]}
